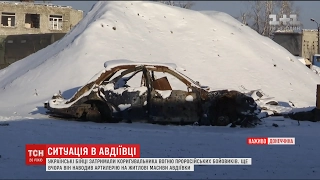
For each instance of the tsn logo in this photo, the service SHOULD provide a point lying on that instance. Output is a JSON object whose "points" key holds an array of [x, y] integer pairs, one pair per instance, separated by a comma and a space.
{"points": [[35, 155]]}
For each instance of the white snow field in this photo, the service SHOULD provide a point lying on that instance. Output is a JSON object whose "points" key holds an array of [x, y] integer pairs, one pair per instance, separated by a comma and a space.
{"points": [[214, 48]]}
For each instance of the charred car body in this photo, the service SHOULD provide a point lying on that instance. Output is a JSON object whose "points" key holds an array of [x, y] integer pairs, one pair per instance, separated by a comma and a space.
{"points": [[133, 91]]}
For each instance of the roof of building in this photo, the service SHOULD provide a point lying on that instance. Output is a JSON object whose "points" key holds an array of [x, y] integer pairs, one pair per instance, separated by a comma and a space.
{"points": [[311, 30], [35, 4], [287, 33]]}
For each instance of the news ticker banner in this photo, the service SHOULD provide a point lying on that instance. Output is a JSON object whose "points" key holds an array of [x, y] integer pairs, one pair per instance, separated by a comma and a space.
{"points": [[138, 164], [112, 157], [126, 157]]}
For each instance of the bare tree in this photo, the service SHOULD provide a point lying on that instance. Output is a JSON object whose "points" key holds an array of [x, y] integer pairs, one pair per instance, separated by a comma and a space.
{"points": [[269, 9], [170, 3], [182, 4], [185, 4], [286, 8], [245, 16], [257, 15]]}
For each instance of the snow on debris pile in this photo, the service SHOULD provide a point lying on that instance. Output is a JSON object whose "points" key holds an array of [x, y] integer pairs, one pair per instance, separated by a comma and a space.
{"points": [[316, 69], [213, 48], [302, 60]]}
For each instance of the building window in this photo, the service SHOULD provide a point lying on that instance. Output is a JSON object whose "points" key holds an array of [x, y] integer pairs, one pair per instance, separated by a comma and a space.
{"points": [[10, 41], [55, 22], [8, 19], [23, 41], [32, 21]]}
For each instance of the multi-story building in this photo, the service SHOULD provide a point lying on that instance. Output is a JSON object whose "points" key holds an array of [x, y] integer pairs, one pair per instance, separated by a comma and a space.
{"points": [[31, 18], [309, 42], [303, 44], [27, 27]]}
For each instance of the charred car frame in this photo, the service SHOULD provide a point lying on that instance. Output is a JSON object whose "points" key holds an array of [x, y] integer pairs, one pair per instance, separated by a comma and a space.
{"points": [[108, 97]]}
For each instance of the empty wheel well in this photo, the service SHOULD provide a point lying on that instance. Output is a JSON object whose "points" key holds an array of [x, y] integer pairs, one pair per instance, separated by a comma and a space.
{"points": [[223, 107], [103, 108]]}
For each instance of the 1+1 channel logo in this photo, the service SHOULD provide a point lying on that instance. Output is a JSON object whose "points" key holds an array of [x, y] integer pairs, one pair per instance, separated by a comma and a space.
{"points": [[285, 23]]}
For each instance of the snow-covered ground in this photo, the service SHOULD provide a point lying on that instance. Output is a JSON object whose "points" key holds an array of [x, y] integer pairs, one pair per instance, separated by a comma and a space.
{"points": [[300, 161], [214, 48]]}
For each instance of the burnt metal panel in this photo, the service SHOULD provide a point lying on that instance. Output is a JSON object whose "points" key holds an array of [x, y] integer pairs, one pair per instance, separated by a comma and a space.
{"points": [[135, 101], [162, 84], [175, 108]]}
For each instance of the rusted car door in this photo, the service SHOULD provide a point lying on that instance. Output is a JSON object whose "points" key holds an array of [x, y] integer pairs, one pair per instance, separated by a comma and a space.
{"points": [[171, 105]]}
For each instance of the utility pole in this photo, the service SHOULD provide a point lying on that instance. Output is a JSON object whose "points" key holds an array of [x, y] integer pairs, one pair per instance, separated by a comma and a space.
{"points": [[318, 28]]}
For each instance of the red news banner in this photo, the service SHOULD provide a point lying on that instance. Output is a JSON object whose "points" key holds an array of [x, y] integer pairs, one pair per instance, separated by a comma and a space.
{"points": [[271, 141], [36, 154]]}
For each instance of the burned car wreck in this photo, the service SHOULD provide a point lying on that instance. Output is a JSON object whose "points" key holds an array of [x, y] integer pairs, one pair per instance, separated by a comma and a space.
{"points": [[154, 93]]}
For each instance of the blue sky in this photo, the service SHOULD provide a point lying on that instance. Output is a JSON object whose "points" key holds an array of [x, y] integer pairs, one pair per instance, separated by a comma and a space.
{"points": [[308, 9]]}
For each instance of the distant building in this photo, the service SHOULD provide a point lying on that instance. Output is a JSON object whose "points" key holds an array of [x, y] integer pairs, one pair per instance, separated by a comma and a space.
{"points": [[30, 18], [309, 43], [26, 27], [303, 44], [289, 40]]}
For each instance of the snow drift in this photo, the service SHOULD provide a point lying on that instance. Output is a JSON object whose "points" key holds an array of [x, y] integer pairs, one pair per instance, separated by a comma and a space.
{"points": [[214, 48]]}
